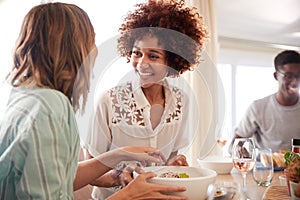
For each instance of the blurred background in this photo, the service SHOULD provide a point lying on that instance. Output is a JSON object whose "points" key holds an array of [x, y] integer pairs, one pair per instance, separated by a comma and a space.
{"points": [[247, 35]]}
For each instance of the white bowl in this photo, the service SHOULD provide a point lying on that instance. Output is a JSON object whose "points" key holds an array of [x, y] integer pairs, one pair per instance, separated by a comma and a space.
{"points": [[196, 185], [217, 163]]}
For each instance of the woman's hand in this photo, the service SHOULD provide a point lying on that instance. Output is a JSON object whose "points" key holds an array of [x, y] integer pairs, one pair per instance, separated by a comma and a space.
{"points": [[145, 155], [139, 188], [126, 176], [127, 173], [178, 160]]}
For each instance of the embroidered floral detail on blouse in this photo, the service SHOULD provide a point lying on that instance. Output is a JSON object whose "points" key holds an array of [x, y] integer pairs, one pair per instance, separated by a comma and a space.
{"points": [[124, 108], [178, 108]]}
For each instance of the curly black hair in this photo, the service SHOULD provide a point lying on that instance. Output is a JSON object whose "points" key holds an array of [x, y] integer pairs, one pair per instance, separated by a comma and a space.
{"points": [[179, 29]]}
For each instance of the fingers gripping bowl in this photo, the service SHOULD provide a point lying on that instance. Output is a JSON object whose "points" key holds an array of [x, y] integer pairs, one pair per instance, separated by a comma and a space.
{"points": [[196, 183]]}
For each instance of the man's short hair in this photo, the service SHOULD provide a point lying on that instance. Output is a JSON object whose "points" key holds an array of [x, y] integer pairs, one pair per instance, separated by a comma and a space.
{"points": [[286, 57]]}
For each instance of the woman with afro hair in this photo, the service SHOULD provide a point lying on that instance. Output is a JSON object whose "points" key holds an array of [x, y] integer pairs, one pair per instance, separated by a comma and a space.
{"points": [[161, 40]]}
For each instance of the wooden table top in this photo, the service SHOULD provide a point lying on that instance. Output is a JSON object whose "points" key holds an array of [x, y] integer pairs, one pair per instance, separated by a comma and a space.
{"points": [[254, 191]]}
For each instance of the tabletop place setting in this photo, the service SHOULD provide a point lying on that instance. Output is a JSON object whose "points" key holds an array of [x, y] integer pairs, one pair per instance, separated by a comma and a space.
{"points": [[249, 173]]}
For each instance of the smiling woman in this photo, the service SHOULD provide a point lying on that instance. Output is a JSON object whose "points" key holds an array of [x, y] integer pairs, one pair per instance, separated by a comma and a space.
{"points": [[161, 40]]}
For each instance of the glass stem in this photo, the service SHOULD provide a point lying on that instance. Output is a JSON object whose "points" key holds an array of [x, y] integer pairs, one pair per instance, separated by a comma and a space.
{"points": [[244, 175]]}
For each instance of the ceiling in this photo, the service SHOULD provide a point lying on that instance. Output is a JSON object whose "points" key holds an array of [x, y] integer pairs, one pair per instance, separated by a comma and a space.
{"points": [[259, 22], [275, 22]]}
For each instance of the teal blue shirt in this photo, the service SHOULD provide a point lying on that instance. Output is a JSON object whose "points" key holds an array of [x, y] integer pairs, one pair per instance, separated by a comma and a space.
{"points": [[39, 144]]}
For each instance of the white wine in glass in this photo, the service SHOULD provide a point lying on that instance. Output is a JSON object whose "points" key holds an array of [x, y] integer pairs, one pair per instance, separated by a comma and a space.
{"points": [[243, 156]]}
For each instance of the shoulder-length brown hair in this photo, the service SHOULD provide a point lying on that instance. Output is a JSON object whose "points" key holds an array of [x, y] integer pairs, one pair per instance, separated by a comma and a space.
{"points": [[53, 45]]}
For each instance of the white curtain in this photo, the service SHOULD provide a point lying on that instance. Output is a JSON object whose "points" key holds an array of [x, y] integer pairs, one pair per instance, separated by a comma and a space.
{"points": [[207, 88]]}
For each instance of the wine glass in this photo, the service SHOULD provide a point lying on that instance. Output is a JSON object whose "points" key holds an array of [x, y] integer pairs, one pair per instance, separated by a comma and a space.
{"points": [[243, 157]]}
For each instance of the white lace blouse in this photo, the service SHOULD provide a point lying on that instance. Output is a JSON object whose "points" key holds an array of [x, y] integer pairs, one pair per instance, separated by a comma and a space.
{"points": [[122, 117]]}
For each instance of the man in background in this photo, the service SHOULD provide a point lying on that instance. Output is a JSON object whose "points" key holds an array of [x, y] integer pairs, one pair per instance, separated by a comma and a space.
{"points": [[274, 120]]}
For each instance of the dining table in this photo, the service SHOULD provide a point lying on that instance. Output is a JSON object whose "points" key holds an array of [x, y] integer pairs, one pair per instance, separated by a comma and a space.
{"points": [[275, 191]]}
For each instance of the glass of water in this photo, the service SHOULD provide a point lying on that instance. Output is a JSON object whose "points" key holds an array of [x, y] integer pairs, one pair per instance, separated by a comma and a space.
{"points": [[263, 170]]}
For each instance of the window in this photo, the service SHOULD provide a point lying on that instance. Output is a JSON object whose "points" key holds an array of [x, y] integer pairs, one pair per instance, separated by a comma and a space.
{"points": [[106, 18], [243, 84]]}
